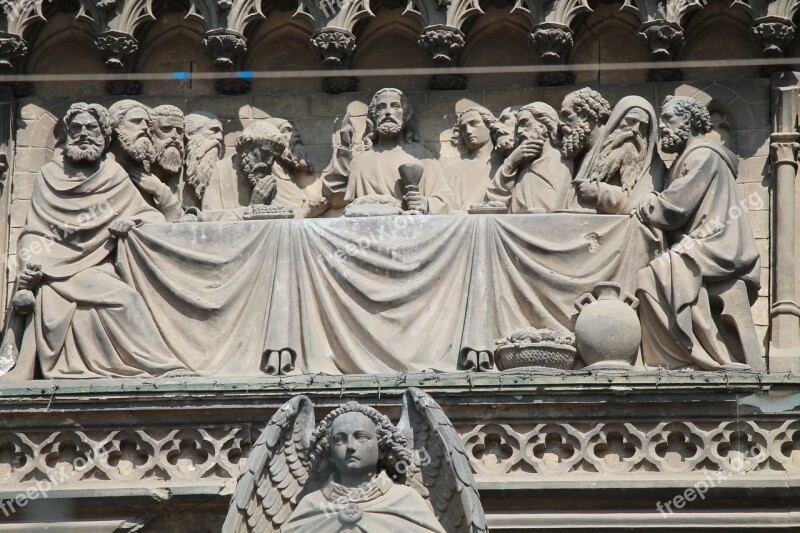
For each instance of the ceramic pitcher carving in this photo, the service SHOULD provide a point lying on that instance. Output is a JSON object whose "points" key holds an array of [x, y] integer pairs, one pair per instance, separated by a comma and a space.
{"points": [[608, 332]]}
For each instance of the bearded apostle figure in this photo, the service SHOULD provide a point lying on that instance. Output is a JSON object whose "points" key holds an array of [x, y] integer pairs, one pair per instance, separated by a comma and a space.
{"points": [[624, 165], [535, 176], [204, 149], [134, 150], [392, 142], [708, 244], [87, 322]]}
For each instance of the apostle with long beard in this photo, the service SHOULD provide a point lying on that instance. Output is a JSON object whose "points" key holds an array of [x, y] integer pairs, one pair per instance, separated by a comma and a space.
{"points": [[624, 165], [204, 150], [87, 322], [135, 152]]}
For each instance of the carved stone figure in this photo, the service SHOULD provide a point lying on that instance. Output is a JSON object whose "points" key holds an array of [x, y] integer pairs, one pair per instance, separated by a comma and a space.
{"points": [[289, 165], [168, 142], [246, 177], [204, 148], [356, 471], [87, 322], [392, 142], [535, 176], [584, 114], [711, 246], [134, 150], [624, 165], [474, 135]]}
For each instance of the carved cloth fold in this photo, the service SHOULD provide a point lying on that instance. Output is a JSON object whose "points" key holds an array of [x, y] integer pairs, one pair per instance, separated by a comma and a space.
{"points": [[371, 295]]}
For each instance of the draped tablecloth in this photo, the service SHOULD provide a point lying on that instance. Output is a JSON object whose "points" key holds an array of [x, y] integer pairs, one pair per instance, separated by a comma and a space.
{"points": [[371, 295]]}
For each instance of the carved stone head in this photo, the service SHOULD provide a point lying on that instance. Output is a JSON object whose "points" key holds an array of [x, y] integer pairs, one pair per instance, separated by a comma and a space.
{"points": [[204, 147], [168, 126], [475, 127], [581, 112], [537, 121], [355, 440], [296, 155], [87, 131], [392, 116], [681, 118], [132, 124], [257, 147]]}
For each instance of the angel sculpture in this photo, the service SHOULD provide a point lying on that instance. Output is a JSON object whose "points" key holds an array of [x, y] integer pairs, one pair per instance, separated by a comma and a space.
{"points": [[357, 472]]}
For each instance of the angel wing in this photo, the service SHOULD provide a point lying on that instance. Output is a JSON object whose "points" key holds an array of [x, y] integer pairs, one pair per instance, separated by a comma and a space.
{"points": [[275, 472], [444, 477]]}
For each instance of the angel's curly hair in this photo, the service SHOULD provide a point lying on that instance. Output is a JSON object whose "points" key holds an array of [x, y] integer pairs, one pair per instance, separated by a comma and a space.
{"points": [[590, 104], [392, 445], [692, 110], [496, 128]]}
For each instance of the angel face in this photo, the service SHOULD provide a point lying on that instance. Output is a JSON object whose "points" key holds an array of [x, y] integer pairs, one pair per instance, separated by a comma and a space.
{"points": [[354, 447]]}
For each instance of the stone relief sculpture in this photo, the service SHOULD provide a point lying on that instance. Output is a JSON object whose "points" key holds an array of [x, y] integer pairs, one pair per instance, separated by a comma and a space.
{"points": [[624, 164], [710, 244], [521, 162], [289, 165], [205, 147], [245, 178], [134, 150], [474, 134], [168, 142], [393, 141], [356, 471], [535, 177], [82, 203]]}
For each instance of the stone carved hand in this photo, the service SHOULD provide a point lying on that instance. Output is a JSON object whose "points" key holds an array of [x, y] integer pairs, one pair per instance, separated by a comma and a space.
{"points": [[317, 206], [264, 190], [120, 228], [346, 135], [526, 151], [416, 201], [589, 191], [30, 277], [147, 182]]}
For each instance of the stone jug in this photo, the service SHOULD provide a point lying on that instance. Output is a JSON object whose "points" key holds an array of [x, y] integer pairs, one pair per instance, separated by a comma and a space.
{"points": [[608, 332]]}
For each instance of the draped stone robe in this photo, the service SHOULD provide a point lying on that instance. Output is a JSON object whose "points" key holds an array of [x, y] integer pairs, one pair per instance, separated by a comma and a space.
{"points": [[376, 171], [88, 322], [710, 239]]}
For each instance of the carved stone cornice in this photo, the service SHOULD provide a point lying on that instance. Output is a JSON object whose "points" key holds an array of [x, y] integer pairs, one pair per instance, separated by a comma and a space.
{"points": [[774, 34], [552, 41], [661, 36], [225, 45], [116, 47], [333, 45], [12, 48], [442, 42]]}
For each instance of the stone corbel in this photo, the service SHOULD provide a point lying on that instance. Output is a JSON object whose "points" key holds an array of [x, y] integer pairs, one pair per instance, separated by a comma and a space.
{"points": [[773, 34], [662, 37], [443, 43], [553, 43], [334, 46], [12, 49], [225, 46], [116, 47]]}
